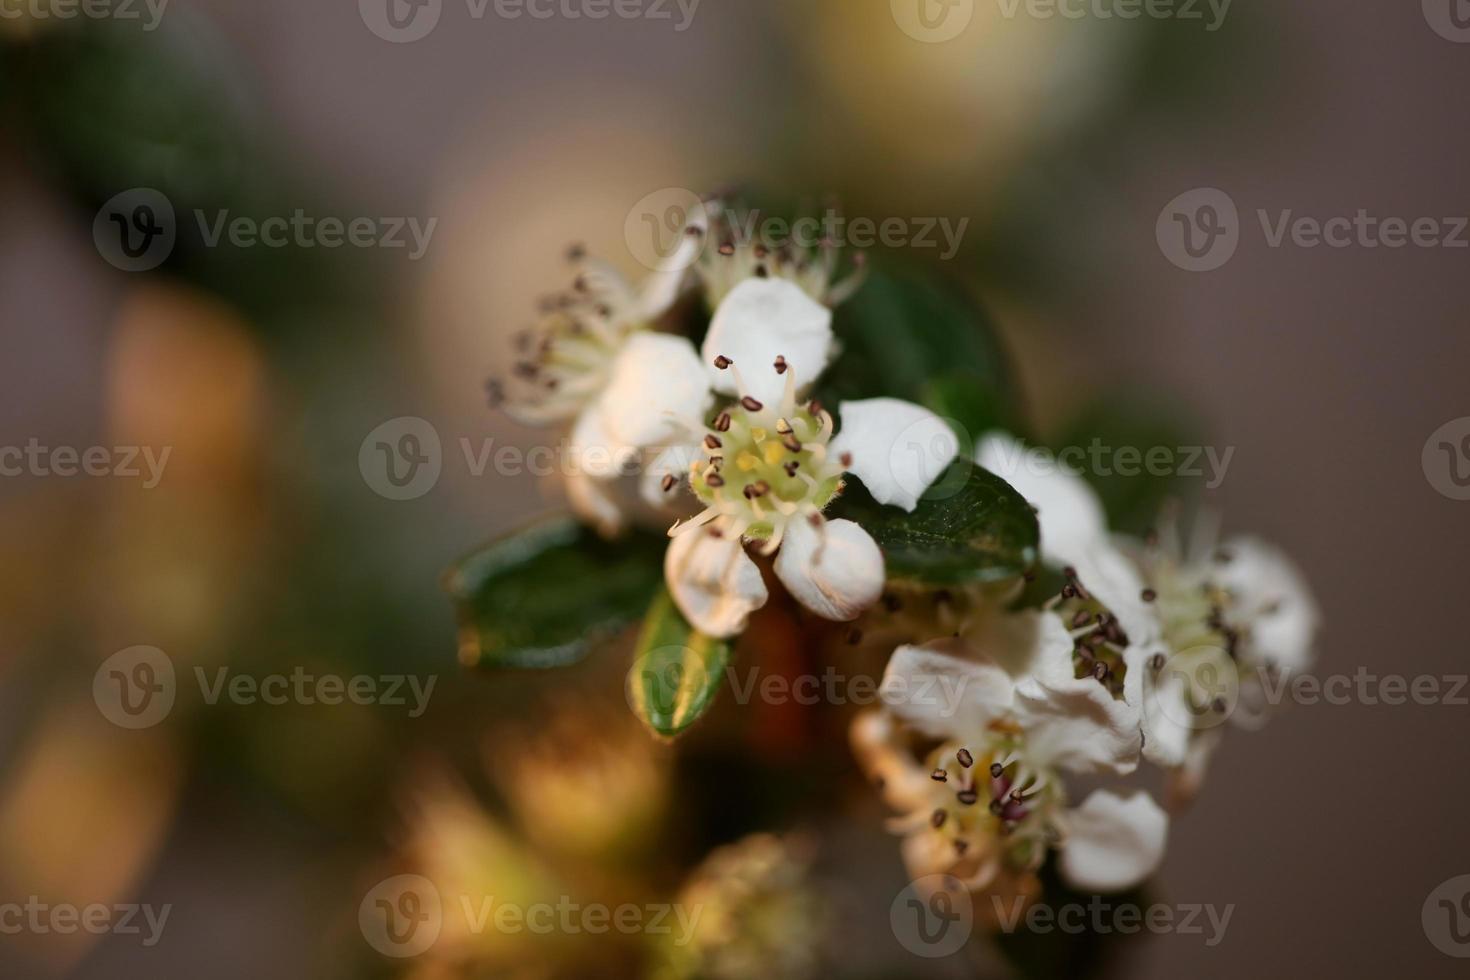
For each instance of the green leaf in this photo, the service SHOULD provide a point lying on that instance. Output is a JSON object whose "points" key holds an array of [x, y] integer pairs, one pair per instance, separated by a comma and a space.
{"points": [[913, 335], [545, 596], [971, 528], [676, 672]]}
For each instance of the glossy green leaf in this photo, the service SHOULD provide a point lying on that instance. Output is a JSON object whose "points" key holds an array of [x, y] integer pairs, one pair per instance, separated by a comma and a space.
{"points": [[676, 670], [545, 596], [920, 337], [971, 528]]}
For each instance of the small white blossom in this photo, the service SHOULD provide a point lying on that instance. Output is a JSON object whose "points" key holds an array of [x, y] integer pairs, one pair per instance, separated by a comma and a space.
{"points": [[991, 799], [596, 362], [768, 465]]}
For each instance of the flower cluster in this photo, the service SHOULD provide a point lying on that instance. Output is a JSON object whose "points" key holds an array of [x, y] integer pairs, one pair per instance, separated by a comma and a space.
{"points": [[1145, 650], [1138, 651], [724, 441]]}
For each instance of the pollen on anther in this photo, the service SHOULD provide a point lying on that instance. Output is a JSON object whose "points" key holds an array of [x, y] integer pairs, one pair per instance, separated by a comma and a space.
{"points": [[750, 404], [937, 818], [939, 776], [723, 362], [668, 482], [712, 441], [780, 364], [846, 460], [965, 758]]}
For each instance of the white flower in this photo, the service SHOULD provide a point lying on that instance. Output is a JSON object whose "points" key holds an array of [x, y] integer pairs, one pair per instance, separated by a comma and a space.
{"points": [[768, 465], [1193, 625], [595, 362], [1013, 718]]}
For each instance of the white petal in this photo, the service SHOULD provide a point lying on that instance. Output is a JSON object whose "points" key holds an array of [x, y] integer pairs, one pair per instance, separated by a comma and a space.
{"points": [[1081, 728], [1070, 513], [656, 391], [898, 449], [835, 570], [675, 272], [760, 320], [1163, 710], [713, 581], [944, 691], [595, 452], [1273, 606], [1111, 576], [672, 461], [591, 503], [1114, 842]]}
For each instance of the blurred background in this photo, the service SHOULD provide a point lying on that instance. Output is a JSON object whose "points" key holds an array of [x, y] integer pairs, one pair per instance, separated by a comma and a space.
{"points": [[262, 548]]}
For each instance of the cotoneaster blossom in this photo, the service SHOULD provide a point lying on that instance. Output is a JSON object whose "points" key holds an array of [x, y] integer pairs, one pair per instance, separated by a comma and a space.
{"points": [[1195, 629], [1012, 721], [769, 463], [596, 363]]}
